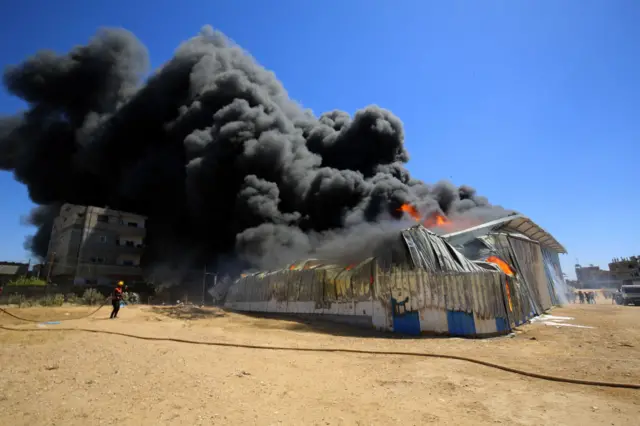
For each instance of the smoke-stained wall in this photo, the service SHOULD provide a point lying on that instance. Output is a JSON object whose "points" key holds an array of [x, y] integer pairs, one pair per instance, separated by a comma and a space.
{"points": [[400, 299], [211, 149]]}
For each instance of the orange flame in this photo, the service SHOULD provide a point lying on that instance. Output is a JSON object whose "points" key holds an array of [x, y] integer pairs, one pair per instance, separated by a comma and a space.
{"points": [[411, 211], [292, 267], [504, 266], [350, 267], [506, 284], [436, 220]]}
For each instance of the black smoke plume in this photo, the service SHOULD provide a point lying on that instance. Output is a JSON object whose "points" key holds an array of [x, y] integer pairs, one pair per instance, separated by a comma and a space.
{"points": [[211, 148]]}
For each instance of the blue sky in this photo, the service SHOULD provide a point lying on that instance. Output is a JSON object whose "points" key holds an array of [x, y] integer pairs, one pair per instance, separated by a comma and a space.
{"points": [[534, 103]]}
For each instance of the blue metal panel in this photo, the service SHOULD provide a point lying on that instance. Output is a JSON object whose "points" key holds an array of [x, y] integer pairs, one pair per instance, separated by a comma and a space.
{"points": [[408, 323], [461, 323], [502, 325], [404, 322]]}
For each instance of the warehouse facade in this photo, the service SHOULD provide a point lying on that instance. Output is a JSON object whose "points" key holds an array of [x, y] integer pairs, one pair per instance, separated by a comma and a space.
{"points": [[419, 283]]}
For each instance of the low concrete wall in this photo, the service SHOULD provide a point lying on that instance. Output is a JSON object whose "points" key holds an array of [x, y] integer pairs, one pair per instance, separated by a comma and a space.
{"points": [[358, 321], [360, 313], [427, 321], [404, 301]]}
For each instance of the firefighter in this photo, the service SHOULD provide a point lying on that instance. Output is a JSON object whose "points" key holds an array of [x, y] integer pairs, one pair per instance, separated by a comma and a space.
{"points": [[116, 298]]}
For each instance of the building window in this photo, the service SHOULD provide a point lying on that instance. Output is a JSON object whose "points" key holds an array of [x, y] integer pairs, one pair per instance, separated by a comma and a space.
{"points": [[103, 239], [97, 260], [128, 263], [132, 224], [103, 218]]}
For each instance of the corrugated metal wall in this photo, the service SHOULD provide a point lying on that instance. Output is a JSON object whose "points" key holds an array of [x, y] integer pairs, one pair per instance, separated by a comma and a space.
{"points": [[432, 253], [557, 285], [524, 301], [400, 299], [529, 258], [427, 287]]}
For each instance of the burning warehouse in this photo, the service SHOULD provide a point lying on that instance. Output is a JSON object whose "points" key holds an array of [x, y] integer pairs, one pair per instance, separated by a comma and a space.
{"points": [[229, 171], [480, 281]]}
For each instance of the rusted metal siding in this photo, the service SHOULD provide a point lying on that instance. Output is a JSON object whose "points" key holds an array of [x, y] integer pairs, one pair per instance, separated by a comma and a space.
{"points": [[425, 301], [433, 289]]}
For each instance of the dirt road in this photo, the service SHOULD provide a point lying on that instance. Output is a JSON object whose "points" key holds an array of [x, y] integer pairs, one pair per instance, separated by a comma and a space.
{"points": [[77, 378]]}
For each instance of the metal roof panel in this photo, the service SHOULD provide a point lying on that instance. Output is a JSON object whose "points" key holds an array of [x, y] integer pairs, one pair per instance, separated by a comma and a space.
{"points": [[514, 223]]}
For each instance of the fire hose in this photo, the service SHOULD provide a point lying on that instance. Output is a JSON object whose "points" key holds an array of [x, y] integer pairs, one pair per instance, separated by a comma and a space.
{"points": [[348, 351], [41, 321]]}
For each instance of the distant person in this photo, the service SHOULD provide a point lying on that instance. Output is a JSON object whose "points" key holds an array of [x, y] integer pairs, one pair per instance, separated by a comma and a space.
{"points": [[116, 298], [581, 296]]}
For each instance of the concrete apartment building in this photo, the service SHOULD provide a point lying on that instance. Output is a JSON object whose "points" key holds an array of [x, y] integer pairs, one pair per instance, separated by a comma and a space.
{"points": [[593, 277], [94, 245], [626, 270]]}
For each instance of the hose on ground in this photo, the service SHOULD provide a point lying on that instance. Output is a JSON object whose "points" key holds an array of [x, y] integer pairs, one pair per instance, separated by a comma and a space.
{"points": [[18, 317], [349, 351]]}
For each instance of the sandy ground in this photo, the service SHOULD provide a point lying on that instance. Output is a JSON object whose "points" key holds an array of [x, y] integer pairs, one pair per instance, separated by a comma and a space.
{"points": [[78, 378]]}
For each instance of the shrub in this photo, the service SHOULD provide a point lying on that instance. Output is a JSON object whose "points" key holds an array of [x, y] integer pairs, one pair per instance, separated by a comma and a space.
{"points": [[92, 297], [14, 299], [131, 298], [58, 299], [72, 298], [24, 302], [27, 282], [45, 301], [52, 300]]}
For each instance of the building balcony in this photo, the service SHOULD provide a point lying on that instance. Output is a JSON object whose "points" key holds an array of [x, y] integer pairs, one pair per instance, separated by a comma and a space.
{"points": [[129, 248], [91, 270], [121, 229], [96, 269], [128, 230]]}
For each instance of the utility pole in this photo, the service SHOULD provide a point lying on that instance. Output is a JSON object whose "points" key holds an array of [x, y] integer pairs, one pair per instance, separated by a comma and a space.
{"points": [[204, 283], [26, 274]]}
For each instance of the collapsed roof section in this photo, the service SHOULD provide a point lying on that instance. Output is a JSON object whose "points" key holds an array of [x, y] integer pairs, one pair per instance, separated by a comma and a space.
{"points": [[431, 252], [416, 247], [421, 248], [517, 224]]}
